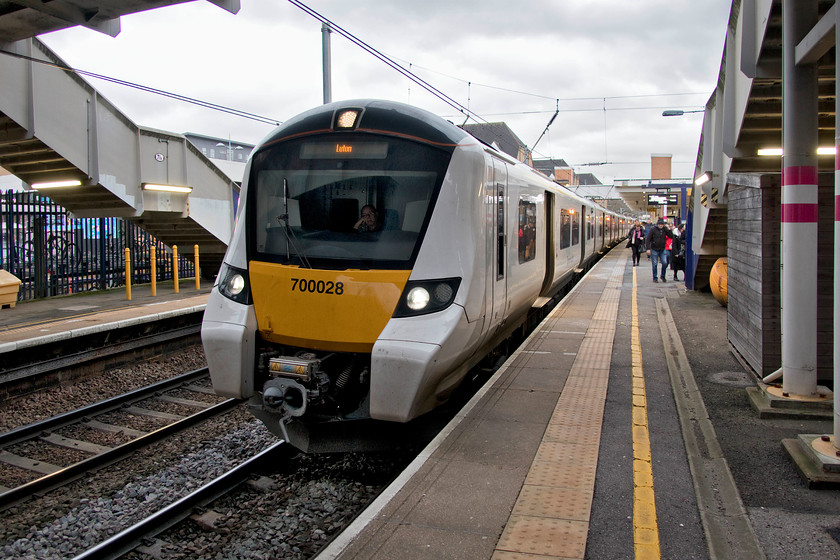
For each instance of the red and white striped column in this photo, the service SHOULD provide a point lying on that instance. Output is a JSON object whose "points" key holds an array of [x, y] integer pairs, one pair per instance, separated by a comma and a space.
{"points": [[837, 243], [837, 263], [799, 206]]}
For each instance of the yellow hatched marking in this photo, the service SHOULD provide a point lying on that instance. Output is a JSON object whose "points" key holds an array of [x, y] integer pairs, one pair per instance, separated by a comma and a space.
{"points": [[645, 528]]}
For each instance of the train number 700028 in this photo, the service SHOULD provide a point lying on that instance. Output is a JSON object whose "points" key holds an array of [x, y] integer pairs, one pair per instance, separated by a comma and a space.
{"points": [[318, 286]]}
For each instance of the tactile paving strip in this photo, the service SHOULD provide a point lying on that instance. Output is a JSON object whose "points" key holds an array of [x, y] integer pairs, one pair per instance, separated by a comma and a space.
{"points": [[556, 502], [545, 536], [551, 514]]}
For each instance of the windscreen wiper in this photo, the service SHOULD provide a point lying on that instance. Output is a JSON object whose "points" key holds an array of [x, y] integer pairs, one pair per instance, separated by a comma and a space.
{"points": [[291, 238]]}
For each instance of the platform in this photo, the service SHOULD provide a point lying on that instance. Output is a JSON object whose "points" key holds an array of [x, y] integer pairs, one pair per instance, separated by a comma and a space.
{"points": [[33, 323], [579, 447], [620, 429]]}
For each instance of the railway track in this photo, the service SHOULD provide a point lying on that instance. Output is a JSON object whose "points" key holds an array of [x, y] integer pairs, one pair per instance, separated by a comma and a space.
{"points": [[49, 453], [158, 522], [277, 503], [41, 362]]}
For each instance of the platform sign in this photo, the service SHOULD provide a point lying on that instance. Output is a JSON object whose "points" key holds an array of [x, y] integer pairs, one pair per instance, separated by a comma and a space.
{"points": [[658, 199]]}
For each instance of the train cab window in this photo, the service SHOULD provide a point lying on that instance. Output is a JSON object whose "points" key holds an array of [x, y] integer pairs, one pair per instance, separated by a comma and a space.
{"points": [[307, 195], [565, 229], [527, 230]]}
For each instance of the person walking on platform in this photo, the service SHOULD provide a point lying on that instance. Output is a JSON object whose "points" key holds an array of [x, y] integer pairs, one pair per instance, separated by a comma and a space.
{"points": [[655, 243], [636, 242], [646, 229]]}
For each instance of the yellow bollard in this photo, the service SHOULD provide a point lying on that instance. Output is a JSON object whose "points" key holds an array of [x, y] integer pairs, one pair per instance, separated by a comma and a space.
{"points": [[175, 266], [128, 274], [197, 281], [152, 258]]}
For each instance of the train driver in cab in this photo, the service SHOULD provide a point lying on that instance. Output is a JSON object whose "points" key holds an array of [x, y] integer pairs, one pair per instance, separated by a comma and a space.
{"points": [[369, 220]]}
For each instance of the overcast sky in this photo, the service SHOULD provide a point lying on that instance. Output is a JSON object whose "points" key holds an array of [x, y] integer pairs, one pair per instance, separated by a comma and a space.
{"points": [[610, 67]]}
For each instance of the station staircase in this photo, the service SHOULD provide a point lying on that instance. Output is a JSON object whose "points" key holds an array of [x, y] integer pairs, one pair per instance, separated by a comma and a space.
{"points": [[714, 245], [54, 126]]}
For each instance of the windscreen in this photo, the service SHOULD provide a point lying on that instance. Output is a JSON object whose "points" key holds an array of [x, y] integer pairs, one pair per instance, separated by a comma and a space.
{"points": [[343, 201]]}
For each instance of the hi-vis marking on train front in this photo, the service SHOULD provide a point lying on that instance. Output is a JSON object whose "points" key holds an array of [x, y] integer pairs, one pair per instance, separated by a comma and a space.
{"points": [[321, 308]]}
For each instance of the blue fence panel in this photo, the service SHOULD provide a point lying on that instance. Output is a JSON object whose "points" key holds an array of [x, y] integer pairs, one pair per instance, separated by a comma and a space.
{"points": [[54, 254]]}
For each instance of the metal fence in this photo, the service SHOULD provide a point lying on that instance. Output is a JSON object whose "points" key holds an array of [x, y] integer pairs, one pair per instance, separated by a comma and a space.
{"points": [[54, 254]]}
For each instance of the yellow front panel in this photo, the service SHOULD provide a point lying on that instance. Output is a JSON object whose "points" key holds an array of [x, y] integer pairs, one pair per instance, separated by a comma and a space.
{"points": [[339, 310]]}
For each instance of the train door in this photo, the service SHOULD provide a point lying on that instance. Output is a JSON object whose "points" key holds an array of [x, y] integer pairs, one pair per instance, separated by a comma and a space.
{"points": [[584, 214], [550, 261], [498, 269], [601, 242]]}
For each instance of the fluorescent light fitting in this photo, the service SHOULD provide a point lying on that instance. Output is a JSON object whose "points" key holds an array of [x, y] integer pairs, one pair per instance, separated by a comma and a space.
{"points": [[776, 152], [166, 188], [57, 184], [703, 179]]}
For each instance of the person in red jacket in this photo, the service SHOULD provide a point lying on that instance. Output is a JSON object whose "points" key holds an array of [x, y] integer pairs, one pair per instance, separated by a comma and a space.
{"points": [[678, 250]]}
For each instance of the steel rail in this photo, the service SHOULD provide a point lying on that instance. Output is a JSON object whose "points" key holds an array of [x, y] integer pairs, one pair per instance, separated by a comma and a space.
{"points": [[70, 417], [155, 524], [71, 472]]}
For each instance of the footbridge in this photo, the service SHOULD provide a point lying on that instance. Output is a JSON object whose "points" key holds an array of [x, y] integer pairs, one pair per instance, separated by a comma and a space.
{"points": [[56, 129]]}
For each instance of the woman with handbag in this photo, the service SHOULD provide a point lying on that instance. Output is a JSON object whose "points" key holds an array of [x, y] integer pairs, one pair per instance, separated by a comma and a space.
{"points": [[636, 242]]}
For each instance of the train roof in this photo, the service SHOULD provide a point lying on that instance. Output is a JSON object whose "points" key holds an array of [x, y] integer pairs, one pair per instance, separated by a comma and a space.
{"points": [[399, 119], [374, 116]]}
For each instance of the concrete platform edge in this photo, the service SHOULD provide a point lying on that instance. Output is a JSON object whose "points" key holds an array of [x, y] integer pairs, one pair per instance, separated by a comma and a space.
{"points": [[84, 331], [729, 532]]}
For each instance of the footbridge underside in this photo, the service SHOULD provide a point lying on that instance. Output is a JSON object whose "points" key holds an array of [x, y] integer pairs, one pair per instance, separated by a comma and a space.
{"points": [[56, 128]]}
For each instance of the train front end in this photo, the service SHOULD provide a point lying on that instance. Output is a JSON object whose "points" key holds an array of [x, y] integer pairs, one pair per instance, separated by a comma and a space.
{"points": [[308, 285]]}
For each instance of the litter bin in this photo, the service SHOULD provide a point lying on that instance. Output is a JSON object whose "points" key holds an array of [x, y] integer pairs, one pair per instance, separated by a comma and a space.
{"points": [[9, 286]]}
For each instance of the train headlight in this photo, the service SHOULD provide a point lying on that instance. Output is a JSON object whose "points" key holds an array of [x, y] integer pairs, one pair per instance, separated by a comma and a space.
{"points": [[233, 284], [418, 298], [427, 296], [236, 284]]}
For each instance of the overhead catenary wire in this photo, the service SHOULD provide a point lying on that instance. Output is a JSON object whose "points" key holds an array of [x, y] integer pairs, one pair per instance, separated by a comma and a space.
{"points": [[555, 98], [148, 89], [388, 61], [464, 111], [276, 122]]}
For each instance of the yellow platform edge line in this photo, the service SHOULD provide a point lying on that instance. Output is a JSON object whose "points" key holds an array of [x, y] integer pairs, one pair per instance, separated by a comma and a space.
{"points": [[645, 525]]}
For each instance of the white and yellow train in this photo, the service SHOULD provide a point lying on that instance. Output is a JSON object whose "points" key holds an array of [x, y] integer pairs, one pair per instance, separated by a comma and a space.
{"points": [[326, 326]]}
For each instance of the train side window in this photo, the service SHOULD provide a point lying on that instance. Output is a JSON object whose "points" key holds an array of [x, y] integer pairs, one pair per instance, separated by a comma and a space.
{"points": [[565, 229], [527, 230]]}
